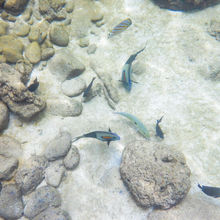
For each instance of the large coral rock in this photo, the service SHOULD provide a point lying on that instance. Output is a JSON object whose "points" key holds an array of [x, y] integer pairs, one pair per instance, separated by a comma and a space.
{"points": [[14, 93], [185, 5], [15, 6], [156, 175], [12, 48]]}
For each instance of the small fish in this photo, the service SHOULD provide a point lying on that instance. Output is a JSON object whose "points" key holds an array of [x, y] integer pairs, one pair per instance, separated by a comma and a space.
{"points": [[210, 191], [33, 86], [120, 27], [127, 70], [159, 132], [107, 136], [139, 125], [87, 90]]}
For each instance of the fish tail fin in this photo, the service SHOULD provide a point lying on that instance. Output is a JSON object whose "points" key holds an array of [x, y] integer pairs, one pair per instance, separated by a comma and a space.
{"points": [[77, 138], [199, 186]]}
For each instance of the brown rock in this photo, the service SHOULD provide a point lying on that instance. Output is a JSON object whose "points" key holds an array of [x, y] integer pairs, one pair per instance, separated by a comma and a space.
{"points": [[33, 52], [15, 6], [4, 116]]}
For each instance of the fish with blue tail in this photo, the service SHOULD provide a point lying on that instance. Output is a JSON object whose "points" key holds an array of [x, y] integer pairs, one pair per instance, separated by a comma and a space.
{"points": [[87, 90], [127, 70], [106, 136], [210, 191], [120, 27], [138, 124], [159, 131]]}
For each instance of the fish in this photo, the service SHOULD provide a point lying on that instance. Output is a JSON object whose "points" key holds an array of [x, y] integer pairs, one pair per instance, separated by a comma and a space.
{"points": [[138, 124], [127, 70], [87, 90], [33, 86], [159, 132], [210, 191], [120, 27], [106, 136]]}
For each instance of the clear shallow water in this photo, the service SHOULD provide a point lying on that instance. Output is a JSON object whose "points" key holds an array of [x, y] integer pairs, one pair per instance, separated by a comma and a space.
{"points": [[178, 53]]}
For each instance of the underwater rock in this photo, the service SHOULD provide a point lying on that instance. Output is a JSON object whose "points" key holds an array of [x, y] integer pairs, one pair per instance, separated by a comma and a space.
{"points": [[47, 53], [12, 48], [4, 116], [71, 161], [7, 17], [15, 6], [54, 214], [185, 5], [70, 6], [11, 205], [65, 66], [65, 107], [58, 147], [41, 199], [155, 174], [214, 29], [91, 49], [9, 147], [3, 27], [27, 14], [24, 67], [83, 42], [31, 174], [54, 173], [33, 52], [51, 9], [73, 87], [59, 35], [189, 207], [14, 93], [107, 81], [8, 166], [21, 29]]}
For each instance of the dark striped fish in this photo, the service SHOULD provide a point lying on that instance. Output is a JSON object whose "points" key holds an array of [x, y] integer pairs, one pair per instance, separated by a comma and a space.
{"points": [[86, 92], [210, 191], [33, 86], [159, 132], [120, 27]]}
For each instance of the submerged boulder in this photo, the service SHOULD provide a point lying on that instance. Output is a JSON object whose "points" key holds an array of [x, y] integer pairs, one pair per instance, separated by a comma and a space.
{"points": [[14, 93], [156, 175], [185, 5], [15, 6]]}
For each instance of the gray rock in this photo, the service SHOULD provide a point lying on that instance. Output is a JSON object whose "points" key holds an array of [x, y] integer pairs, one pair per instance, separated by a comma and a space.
{"points": [[214, 29], [83, 42], [65, 107], [9, 147], [71, 161], [91, 49], [31, 174], [51, 9], [41, 199], [11, 205], [8, 166], [59, 35], [54, 173], [4, 116], [54, 214], [47, 53], [58, 147], [65, 66], [14, 93], [73, 87], [33, 52], [156, 175]]}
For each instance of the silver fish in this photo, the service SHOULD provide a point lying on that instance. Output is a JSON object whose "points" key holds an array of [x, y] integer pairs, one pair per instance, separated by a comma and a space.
{"points": [[120, 27]]}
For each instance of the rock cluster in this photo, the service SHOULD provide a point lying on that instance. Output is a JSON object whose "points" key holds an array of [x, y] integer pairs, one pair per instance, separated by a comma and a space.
{"points": [[185, 5], [156, 175]]}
